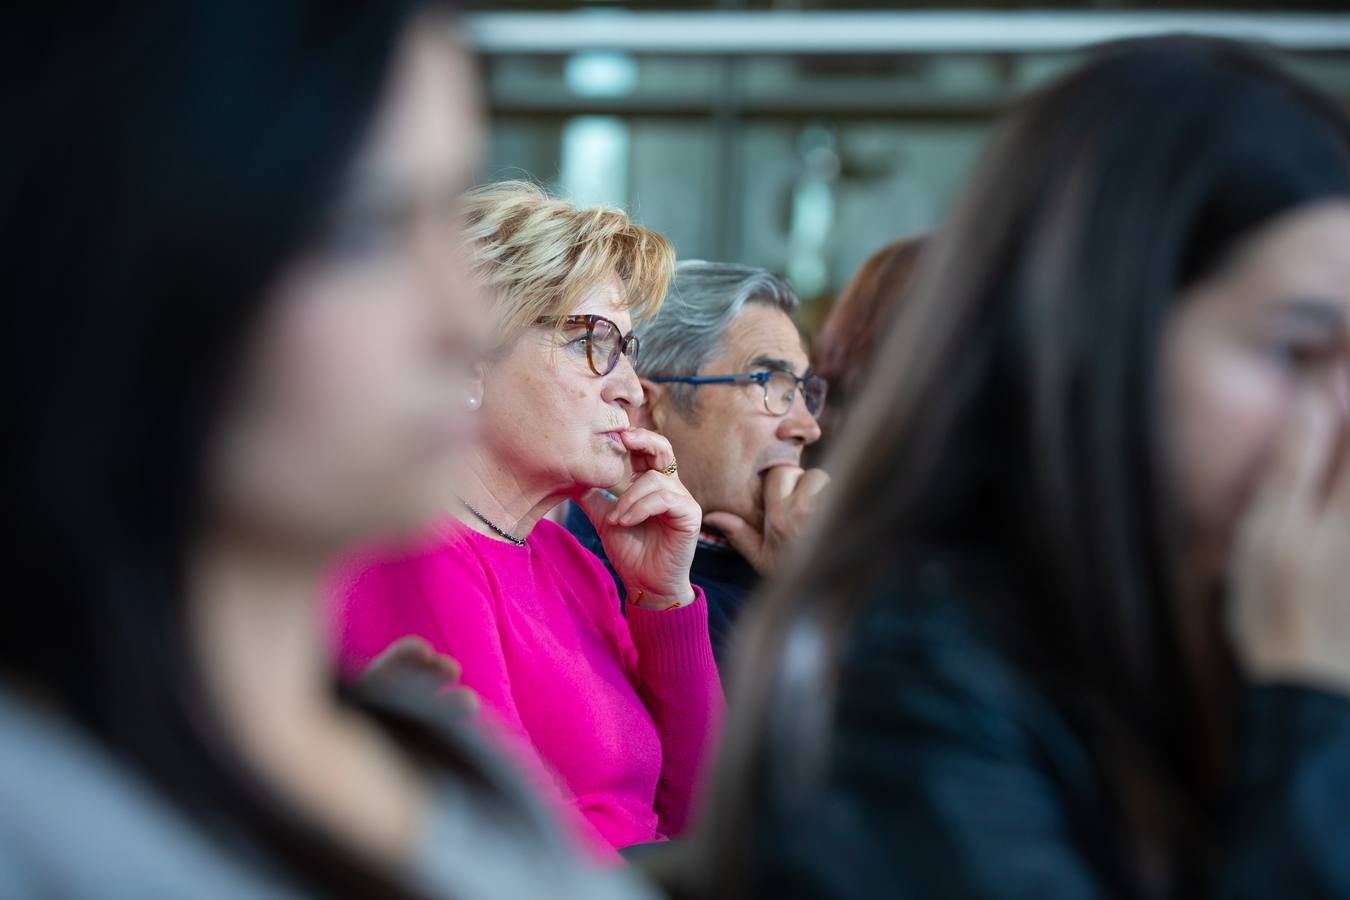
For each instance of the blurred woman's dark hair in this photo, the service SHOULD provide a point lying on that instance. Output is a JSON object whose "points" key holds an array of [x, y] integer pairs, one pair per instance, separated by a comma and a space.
{"points": [[163, 165], [846, 345], [1015, 412]]}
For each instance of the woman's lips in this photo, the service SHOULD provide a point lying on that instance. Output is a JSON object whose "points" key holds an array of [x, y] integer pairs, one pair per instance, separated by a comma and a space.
{"points": [[616, 437]]}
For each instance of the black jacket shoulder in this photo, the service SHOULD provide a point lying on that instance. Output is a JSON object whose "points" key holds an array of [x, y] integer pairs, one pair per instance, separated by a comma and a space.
{"points": [[950, 774]]}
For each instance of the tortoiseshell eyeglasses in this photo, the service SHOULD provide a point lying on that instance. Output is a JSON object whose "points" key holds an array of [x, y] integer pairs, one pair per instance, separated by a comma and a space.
{"points": [[605, 343]]}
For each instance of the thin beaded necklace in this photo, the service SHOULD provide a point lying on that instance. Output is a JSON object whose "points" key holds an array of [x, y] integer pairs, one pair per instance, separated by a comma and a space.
{"points": [[519, 542]]}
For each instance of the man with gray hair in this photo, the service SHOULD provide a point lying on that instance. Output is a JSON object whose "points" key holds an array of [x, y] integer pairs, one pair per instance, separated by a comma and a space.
{"points": [[727, 380]]}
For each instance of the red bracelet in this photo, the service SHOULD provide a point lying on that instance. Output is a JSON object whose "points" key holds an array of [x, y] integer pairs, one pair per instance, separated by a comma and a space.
{"points": [[642, 593]]}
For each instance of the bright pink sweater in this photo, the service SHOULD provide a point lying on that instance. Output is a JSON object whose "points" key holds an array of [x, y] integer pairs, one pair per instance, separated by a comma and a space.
{"points": [[623, 710]]}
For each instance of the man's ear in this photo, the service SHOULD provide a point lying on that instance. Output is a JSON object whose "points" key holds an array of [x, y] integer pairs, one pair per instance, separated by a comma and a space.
{"points": [[655, 406]]}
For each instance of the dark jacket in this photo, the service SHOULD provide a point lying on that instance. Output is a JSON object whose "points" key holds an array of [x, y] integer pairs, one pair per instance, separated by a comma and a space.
{"points": [[952, 776], [726, 577]]}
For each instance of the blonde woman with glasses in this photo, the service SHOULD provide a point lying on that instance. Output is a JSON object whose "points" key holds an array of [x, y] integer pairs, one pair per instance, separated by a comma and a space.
{"points": [[612, 711]]}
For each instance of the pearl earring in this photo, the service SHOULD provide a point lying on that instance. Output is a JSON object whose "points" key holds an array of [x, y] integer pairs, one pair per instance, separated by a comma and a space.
{"points": [[472, 402]]}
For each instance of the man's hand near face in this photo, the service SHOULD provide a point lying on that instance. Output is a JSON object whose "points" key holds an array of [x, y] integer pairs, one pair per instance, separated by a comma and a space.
{"points": [[791, 495]]}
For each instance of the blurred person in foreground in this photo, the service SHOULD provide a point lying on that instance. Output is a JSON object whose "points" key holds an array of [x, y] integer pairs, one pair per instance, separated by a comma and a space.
{"points": [[1078, 622], [726, 379], [237, 306], [846, 345], [613, 715]]}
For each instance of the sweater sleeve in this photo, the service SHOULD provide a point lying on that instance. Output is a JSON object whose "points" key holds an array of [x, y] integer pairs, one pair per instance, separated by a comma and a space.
{"points": [[678, 682], [439, 599]]}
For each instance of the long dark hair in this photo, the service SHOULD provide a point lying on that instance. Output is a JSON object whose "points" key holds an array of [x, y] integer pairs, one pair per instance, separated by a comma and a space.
{"points": [[1015, 409], [163, 165]]}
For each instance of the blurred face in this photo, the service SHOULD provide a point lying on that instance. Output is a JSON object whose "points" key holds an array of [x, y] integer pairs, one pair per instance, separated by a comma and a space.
{"points": [[548, 418], [1272, 325], [353, 398], [730, 440]]}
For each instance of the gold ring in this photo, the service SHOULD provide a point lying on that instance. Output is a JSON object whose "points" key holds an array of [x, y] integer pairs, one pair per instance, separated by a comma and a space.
{"points": [[671, 469]]}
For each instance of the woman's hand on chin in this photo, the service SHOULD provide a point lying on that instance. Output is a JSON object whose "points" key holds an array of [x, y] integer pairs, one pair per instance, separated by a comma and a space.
{"points": [[1288, 614], [651, 531]]}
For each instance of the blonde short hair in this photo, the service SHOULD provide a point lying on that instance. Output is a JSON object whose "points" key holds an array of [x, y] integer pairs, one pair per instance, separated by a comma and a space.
{"points": [[540, 255]]}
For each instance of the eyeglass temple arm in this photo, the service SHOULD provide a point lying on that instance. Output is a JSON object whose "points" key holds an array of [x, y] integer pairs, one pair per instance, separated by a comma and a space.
{"points": [[708, 379]]}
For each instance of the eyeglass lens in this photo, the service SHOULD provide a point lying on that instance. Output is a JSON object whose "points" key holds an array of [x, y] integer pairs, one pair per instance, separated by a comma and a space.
{"points": [[606, 345], [781, 390]]}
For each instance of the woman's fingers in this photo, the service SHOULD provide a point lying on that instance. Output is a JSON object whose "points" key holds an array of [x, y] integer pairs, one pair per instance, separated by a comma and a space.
{"points": [[654, 494], [651, 484], [444, 666], [642, 486], [411, 647], [650, 451], [415, 653], [1290, 563], [1289, 492], [1297, 477], [597, 504], [412, 663], [1285, 502], [1338, 471], [657, 503], [461, 699]]}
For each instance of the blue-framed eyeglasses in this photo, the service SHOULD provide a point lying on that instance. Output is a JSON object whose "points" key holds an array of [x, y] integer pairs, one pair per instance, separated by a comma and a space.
{"points": [[780, 388]]}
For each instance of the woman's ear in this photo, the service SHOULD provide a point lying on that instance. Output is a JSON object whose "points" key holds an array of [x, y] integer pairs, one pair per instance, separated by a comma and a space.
{"points": [[473, 387], [652, 413]]}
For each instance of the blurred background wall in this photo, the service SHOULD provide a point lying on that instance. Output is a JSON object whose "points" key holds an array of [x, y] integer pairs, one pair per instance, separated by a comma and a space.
{"points": [[800, 135]]}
